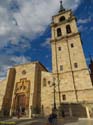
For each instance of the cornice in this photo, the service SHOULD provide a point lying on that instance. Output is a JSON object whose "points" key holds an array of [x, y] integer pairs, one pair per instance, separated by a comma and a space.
{"points": [[65, 37], [62, 23]]}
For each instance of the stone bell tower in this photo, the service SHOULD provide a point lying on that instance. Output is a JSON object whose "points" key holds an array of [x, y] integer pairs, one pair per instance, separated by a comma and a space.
{"points": [[68, 61]]}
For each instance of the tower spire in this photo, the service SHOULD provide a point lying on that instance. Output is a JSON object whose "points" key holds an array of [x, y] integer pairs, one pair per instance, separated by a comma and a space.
{"points": [[61, 7]]}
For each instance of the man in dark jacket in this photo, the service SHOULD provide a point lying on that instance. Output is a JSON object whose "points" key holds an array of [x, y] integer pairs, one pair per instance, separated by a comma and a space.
{"points": [[52, 119]]}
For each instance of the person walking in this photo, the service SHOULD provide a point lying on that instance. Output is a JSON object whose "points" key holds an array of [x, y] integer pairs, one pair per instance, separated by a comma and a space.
{"points": [[52, 119]]}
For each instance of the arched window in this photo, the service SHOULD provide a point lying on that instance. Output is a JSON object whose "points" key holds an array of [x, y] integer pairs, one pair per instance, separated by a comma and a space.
{"points": [[44, 82], [49, 82], [64, 97], [61, 19], [59, 48], [68, 29], [59, 33], [75, 65], [72, 45]]}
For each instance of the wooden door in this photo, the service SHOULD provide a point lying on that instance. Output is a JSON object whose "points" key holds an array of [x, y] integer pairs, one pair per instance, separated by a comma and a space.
{"points": [[21, 104]]}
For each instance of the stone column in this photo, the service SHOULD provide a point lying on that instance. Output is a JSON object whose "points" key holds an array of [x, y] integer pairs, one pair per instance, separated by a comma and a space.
{"points": [[10, 112], [30, 111], [87, 111], [30, 105]]}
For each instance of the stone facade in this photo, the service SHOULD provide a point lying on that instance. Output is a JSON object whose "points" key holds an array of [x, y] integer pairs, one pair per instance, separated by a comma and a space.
{"points": [[68, 61], [23, 89], [2, 94], [30, 89]]}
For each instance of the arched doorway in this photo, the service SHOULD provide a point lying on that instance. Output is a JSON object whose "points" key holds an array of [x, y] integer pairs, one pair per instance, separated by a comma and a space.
{"points": [[21, 104]]}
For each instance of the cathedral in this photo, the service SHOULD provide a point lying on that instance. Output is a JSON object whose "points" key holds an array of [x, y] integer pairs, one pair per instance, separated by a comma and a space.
{"points": [[31, 90]]}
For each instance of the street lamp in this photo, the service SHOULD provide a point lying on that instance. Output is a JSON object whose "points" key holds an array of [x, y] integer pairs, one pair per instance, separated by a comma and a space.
{"points": [[54, 91]]}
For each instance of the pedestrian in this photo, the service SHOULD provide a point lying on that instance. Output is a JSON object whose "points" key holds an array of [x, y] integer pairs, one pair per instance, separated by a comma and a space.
{"points": [[50, 119], [54, 118]]}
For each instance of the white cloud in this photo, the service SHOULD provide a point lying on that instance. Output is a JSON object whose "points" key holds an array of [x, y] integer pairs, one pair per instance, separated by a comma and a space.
{"points": [[29, 17], [4, 23], [32, 17], [72, 4], [9, 61], [19, 60], [82, 28], [46, 43], [84, 21]]}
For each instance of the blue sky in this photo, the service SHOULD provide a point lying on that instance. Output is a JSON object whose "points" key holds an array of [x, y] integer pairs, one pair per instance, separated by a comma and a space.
{"points": [[25, 30]]}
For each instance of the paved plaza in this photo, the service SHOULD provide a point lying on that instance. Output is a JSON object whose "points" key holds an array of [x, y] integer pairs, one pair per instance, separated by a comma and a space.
{"points": [[45, 122], [81, 122]]}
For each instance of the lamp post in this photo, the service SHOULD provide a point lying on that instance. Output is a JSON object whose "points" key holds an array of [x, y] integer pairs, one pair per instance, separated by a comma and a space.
{"points": [[54, 91]]}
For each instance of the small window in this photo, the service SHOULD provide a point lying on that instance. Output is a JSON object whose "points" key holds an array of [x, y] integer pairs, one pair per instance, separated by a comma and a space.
{"points": [[61, 67], [75, 65], [59, 33], [44, 82], [64, 97], [49, 82], [72, 45], [68, 29], [61, 19], [59, 48]]}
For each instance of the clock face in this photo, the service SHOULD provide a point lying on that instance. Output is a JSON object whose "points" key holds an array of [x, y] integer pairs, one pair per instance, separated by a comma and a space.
{"points": [[24, 72]]}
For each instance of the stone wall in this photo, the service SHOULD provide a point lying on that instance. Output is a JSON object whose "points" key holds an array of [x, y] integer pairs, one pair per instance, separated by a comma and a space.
{"points": [[46, 93], [3, 85]]}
